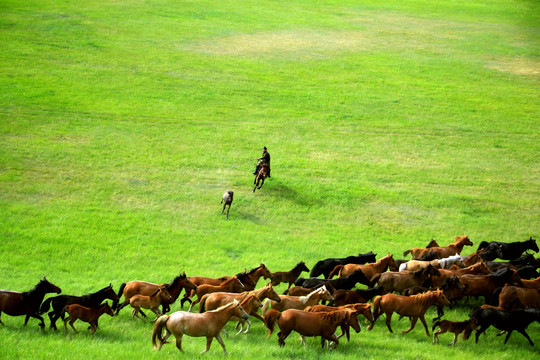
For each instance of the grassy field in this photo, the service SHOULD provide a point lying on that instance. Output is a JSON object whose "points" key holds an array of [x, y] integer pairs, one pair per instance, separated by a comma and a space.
{"points": [[389, 124]]}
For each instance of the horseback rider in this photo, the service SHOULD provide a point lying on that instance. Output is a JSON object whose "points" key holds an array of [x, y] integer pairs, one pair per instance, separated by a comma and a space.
{"points": [[263, 160]]}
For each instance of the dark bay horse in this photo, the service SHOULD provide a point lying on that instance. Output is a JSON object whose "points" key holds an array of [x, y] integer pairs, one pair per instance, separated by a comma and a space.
{"points": [[289, 276], [90, 300], [26, 303], [132, 288], [509, 321], [323, 324], [261, 176], [325, 267], [344, 297], [511, 251], [89, 315]]}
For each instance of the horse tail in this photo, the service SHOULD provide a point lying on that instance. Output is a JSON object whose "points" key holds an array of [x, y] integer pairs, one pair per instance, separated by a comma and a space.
{"points": [[158, 331], [203, 303], [377, 311], [270, 318], [336, 271], [46, 305], [435, 324], [407, 252], [266, 306], [120, 293]]}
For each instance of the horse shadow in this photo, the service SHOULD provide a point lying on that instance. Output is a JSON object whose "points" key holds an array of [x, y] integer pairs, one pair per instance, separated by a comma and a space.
{"points": [[286, 192]]}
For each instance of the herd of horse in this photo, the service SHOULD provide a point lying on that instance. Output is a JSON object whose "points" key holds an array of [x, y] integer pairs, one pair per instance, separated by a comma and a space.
{"points": [[435, 276]]}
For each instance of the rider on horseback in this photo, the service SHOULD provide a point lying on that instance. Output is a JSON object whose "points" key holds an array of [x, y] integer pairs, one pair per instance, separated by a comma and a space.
{"points": [[263, 160]]}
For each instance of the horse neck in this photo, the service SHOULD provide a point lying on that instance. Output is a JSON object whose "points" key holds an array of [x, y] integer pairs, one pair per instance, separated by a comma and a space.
{"points": [[312, 299], [297, 270], [256, 275], [261, 293], [382, 264], [427, 299], [228, 284], [35, 295]]}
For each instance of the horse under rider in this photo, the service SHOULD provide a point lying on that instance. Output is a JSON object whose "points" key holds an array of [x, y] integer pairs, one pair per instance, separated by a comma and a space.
{"points": [[264, 159]]}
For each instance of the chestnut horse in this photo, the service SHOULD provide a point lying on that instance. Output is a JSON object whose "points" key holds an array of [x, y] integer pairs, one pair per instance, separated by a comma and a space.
{"points": [[261, 175], [26, 303], [399, 281], [208, 324], [476, 269], [531, 284], [414, 306], [369, 270], [526, 298], [132, 288], [89, 315], [442, 252], [230, 285], [151, 302], [361, 308], [323, 324], [289, 276], [485, 285], [298, 302]]}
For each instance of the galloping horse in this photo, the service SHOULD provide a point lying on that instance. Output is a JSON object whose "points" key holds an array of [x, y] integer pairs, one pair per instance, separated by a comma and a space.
{"points": [[527, 298], [90, 300], [414, 306], [369, 270], [511, 251], [261, 175], [504, 320], [145, 288], [151, 302], [326, 266], [298, 302], [208, 324], [476, 269], [485, 285], [251, 278], [455, 327], [442, 252], [323, 324], [361, 308], [26, 303], [231, 285], [89, 315], [344, 297], [399, 281], [346, 282], [289, 276]]}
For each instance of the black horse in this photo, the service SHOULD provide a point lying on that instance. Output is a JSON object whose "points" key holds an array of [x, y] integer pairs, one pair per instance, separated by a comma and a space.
{"points": [[26, 303], [345, 283], [326, 266], [93, 300], [511, 251], [509, 321]]}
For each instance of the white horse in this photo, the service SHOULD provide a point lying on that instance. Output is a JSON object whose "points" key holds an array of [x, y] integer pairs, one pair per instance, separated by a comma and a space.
{"points": [[451, 260]]}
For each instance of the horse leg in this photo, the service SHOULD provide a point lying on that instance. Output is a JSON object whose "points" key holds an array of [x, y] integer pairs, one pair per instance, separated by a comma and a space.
{"points": [[71, 324], [282, 335], [261, 184], [178, 342], [209, 342], [332, 340], [229, 208], [436, 336], [423, 320], [508, 336], [93, 327], [455, 339], [413, 324], [36, 316], [248, 326], [388, 320], [1, 319], [482, 329], [220, 341], [522, 332]]}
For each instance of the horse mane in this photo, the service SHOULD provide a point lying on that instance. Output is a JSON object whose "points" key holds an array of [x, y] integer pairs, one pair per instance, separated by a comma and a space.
{"points": [[233, 278], [155, 292], [424, 299], [335, 316], [35, 288], [297, 266]]}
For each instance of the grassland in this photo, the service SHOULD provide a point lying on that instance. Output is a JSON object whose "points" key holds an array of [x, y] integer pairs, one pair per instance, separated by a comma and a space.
{"points": [[389, 123]]}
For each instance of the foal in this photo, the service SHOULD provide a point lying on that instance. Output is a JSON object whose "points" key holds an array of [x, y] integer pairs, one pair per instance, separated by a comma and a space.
{"points": [[86, 314], [152, 302], [456, 327], [289, 276]]}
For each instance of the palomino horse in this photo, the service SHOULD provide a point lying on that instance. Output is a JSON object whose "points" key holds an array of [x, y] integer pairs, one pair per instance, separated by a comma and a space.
{"points": [[214, 300], [414, 306], [208, 324], [399, 281], [231, 285], [323, 324], [26, 303], [152, 302], [361, 308], [442, 252], [504, 320], [511, 251], [89, 315], [369, 270], [326, 266], [261, 175], [298, 302], [145, 288], [90, 300], [289, 276]]}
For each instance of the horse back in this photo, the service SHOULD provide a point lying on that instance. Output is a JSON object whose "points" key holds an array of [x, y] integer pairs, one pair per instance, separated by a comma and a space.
{"points": [[13, 303]]}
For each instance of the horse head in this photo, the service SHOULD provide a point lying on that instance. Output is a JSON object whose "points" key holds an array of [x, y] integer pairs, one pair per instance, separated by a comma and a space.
{"points": [[47, 286], [440, 298], [270, 293], [532, 244], [302, 266], [238, 310], [265, 272]]}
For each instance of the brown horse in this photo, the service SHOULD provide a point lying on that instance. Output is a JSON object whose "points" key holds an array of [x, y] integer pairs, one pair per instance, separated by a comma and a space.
{"points": [[525, 298], [289, 276], [344, 297], [476, 269], [133, 288], [399, 281], [531, 284], [455, 327], [26, 303], [361, 308], [254, 276], [414, 306], [369, 270], [441, 252], [261, 175], [214, 300], [89, 315], [230, 285], [250, 304], [298, 302], [152, 302], [323, 324], [485, 285], [208, 324]]}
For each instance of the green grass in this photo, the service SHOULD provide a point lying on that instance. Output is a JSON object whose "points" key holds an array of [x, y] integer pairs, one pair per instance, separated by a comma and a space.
{"points": [[122, 124]]}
